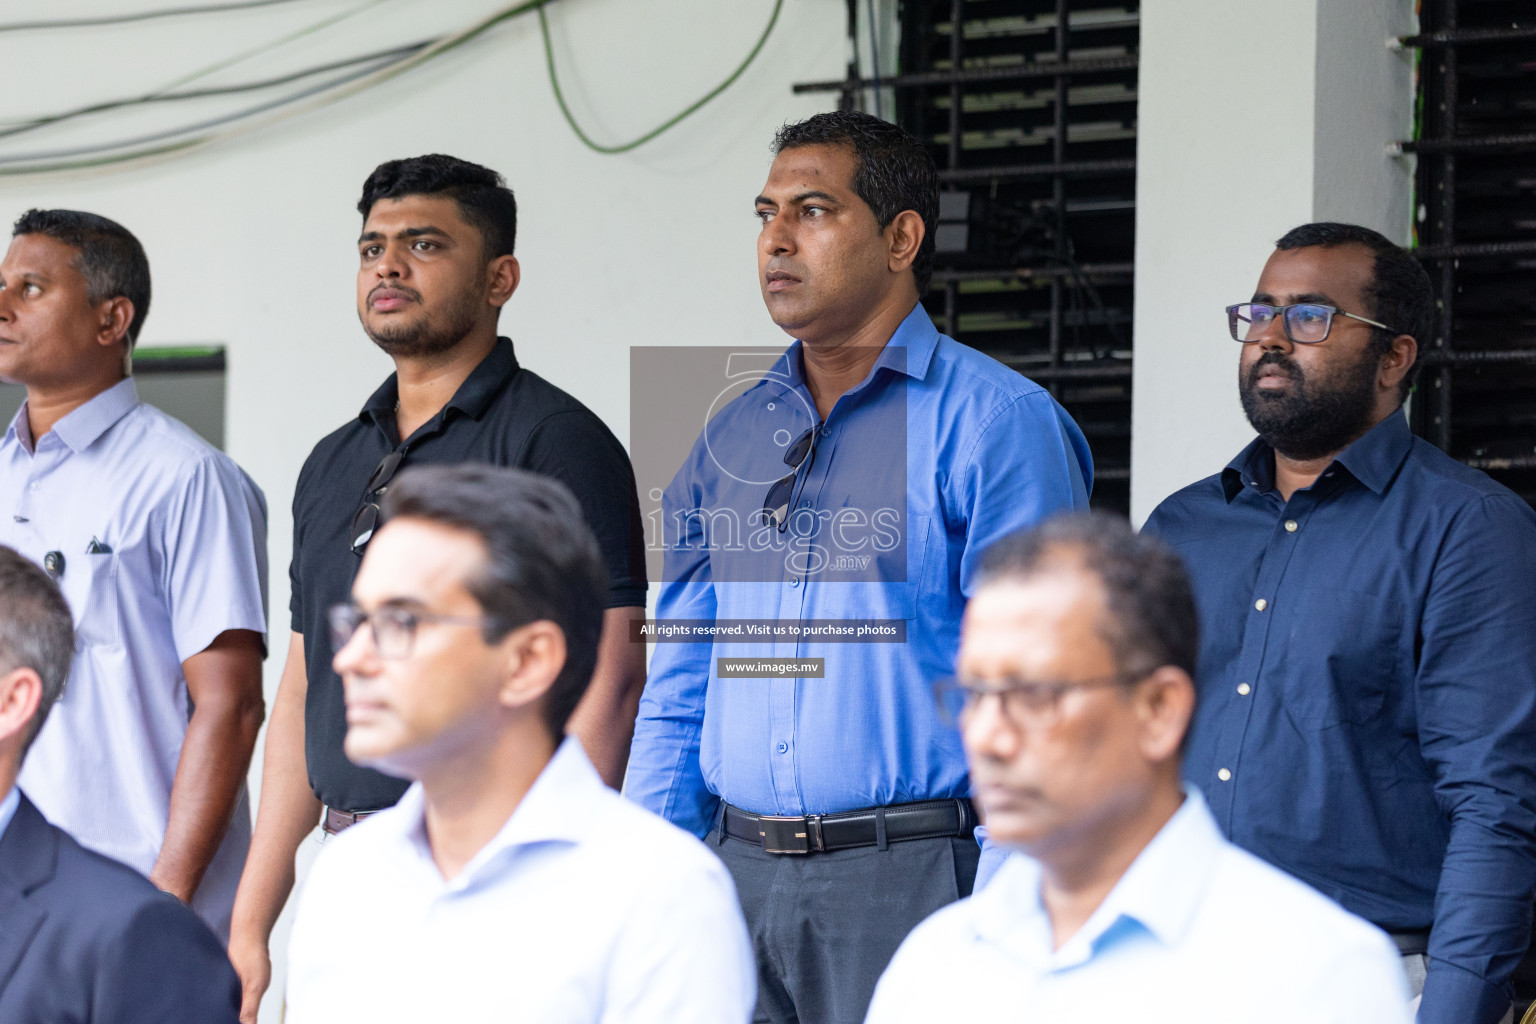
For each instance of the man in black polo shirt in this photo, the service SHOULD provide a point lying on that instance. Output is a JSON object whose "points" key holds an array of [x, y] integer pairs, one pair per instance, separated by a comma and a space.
{"points": [[436, 266]]}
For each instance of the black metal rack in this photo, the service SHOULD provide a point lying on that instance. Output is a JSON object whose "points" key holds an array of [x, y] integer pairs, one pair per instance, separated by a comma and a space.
{"points": [[1476, 185], [1029, 108]]}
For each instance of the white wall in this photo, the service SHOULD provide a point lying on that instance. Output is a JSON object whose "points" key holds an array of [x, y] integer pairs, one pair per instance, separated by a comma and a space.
{"points": [[1254, 116], [252, 241]]}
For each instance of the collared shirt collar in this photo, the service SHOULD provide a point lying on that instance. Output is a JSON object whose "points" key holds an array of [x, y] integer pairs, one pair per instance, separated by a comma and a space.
{"points": [[909, 351], [80, 429], [1374, 459], [1159, 894], [554, 810], [472, 398], [8, 809]]}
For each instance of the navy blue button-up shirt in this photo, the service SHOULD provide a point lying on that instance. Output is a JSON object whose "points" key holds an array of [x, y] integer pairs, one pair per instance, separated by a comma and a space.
{"points": [[936, 454], [1367, 693]]}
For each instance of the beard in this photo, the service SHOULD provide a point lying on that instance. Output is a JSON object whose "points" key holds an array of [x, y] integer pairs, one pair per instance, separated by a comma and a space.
{"points": [[429, 334], [1317, 415]]}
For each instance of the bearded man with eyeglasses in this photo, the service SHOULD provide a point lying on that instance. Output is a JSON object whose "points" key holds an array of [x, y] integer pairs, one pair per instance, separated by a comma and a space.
{"points": [[435, 268], [1367, 677]]}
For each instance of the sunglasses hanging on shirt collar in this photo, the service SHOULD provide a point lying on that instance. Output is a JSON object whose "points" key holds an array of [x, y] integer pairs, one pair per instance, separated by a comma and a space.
{"points": [[367, 518], [781, 496]]}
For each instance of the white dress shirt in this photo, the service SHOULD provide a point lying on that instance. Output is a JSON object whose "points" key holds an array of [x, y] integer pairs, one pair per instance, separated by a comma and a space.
{"points": [[583, 909], [1197, 931], [164, 545]]}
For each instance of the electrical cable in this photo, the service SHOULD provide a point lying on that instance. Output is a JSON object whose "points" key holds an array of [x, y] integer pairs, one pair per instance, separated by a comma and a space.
{"points": [[276, 44], [171, 133], [672, 122], [162, 145], [222, 90], [165, 144], [167, 89], [124, 19]]}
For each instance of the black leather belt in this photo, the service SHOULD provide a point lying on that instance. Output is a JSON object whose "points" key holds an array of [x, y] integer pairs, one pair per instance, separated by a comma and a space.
{"points": [[873, 826], [336, 822], [1411, 943]]}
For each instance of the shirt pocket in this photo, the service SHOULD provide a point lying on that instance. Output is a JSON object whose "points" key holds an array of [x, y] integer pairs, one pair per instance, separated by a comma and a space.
{"points": [[92, 595], [1340, 656]]}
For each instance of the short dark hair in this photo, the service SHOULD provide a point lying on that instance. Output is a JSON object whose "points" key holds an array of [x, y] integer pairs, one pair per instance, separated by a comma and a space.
{"points": [[543, 561], [894, 171], [485, 202], [1150, 618], [36, 631], [1400, 294], [111, 259]]}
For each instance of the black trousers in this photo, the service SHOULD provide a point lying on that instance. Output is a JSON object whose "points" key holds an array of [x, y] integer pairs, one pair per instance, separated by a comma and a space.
{"points": [[824, 925]]}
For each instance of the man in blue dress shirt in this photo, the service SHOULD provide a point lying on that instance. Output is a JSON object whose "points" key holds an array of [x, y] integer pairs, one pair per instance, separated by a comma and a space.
{"points": [[834, 792], [1367, 715]]}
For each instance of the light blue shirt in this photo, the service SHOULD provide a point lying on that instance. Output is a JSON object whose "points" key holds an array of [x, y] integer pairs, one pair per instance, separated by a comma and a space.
{"points": [[164, 545], [939, 452], [8, 809], [1197, 931]]}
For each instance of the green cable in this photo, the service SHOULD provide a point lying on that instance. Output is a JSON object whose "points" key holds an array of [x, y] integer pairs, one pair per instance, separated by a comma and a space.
{"points": [[554, 82]]}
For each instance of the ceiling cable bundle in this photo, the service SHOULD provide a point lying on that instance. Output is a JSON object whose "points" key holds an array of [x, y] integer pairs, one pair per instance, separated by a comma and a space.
{"points": [[318, 86]]}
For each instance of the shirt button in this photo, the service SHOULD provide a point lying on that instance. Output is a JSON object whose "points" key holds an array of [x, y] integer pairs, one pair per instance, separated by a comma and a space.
{"points": [[1224, 775], [1261, 604], [783, 747], [1242, 689], [32, 487], [1290, 526], [794, 583]]}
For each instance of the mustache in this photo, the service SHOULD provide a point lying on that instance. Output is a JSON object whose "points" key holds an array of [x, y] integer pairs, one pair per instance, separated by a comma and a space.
{"points": [[1278, 360]]}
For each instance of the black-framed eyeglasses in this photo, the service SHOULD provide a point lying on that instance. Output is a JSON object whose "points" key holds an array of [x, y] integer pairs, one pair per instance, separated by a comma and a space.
{"points": [[367, 518], [394, 628], [781, 496], [1026, 703], [1305, 323]]}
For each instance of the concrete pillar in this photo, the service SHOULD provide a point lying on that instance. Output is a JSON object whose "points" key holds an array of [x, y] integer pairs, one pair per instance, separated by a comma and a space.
{"points": [[1254, 116]]}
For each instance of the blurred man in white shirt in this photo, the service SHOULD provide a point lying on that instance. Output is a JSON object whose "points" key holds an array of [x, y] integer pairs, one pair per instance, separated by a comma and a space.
{"points": [[509, 883], [1122, 900]]}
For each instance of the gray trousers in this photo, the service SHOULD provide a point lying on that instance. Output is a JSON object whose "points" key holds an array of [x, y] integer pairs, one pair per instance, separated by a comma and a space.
{"points": [[824, 925]]}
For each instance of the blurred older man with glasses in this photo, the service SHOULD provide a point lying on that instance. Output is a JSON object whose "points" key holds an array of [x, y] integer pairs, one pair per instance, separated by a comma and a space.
{"points": [[1367, 714], [1122, 900]]}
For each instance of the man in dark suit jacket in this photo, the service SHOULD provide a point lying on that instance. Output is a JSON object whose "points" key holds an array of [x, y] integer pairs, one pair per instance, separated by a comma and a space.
{"points": [[83, 939]]}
